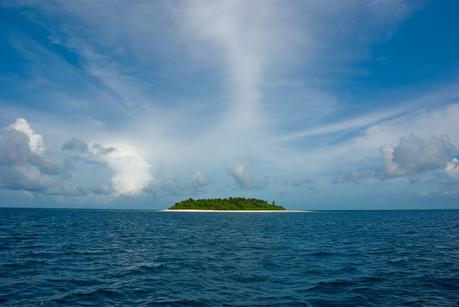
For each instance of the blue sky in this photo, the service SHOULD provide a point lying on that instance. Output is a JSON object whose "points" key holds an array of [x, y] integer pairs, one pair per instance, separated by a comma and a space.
{"points": [[314, 104]]}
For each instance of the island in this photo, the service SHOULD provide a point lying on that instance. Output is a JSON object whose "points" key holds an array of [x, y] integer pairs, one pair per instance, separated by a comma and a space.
{"points": [[231, 204]]}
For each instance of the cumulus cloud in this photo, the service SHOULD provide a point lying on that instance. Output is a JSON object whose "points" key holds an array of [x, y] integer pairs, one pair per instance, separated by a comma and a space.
{"points": [[452, 168], [35, 140], [131, 173], [246, 178], [414, 155], [23, 161]]}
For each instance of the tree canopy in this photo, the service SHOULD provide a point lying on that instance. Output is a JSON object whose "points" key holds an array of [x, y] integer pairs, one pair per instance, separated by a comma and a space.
{"points": [[231, 203]]}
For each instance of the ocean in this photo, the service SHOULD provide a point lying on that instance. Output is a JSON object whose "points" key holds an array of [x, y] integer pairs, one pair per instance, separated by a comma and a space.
{"points": [[132, 257]]}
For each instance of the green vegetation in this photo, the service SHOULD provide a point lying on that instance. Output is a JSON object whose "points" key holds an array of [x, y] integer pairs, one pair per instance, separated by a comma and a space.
{"points": [[232, 203]]}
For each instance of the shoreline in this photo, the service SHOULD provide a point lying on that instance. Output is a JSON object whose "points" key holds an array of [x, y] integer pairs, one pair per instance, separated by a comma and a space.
{"points": [[236, 211]]}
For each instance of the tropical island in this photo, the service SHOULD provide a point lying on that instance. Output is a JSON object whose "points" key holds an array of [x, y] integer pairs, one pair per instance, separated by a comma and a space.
{"points": [[225, 204]]}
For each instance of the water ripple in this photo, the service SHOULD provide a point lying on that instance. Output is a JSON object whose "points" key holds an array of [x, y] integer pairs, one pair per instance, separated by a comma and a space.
{"points": [[89, 257]]}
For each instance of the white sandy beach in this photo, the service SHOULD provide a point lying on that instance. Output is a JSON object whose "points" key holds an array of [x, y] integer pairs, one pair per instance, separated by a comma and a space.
{"points": [[237, 211]]}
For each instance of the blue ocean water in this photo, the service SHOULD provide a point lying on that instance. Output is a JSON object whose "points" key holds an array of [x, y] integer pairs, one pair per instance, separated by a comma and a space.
{"points": [[119, 257]]}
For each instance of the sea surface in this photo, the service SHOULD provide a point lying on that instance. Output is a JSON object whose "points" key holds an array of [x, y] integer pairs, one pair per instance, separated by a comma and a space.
{"points": [[119, 257]]}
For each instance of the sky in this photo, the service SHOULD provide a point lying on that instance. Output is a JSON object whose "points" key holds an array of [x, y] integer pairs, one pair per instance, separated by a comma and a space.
{"points": [[313, 104]]}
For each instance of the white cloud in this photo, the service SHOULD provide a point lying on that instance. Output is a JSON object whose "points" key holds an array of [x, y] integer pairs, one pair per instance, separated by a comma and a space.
{"points": [[131, 173], [391, 168], [452, 168], [237, 30], [354, 123], [36, 143], [246, 178], [23, 163], [414, 155]]}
